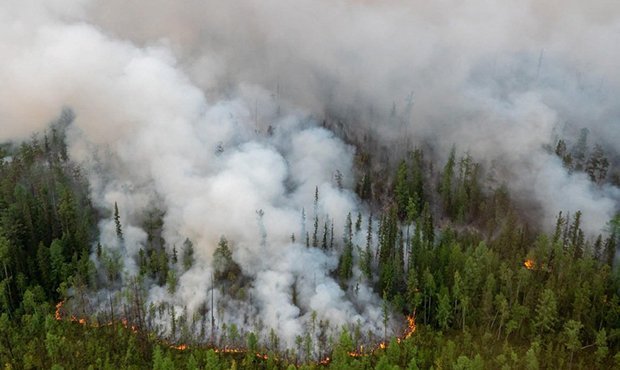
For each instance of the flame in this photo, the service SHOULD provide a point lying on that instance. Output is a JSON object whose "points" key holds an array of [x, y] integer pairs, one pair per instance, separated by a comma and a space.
{"points": [[57, 314], [73, 318], [229, 350], [410, 326], [357, 353], [83, 321], [529, 264], [126, 325], [233, 350]]}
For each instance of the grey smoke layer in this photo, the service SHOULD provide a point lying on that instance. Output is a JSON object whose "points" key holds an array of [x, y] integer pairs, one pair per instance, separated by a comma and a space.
{"points": [[174, 101]]}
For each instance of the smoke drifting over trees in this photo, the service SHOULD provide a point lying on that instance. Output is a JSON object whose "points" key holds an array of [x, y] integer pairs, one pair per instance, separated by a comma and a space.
{"points": [[211, 112]]}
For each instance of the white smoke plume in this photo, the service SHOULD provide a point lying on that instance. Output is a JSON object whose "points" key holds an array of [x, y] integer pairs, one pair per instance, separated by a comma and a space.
{"points": [[148, 136], [174, 101], [497, 79]]}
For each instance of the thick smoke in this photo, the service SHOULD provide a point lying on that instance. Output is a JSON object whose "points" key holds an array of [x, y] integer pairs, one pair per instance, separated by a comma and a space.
{"points": [[209, 109], [148, 137], [498, 80]]}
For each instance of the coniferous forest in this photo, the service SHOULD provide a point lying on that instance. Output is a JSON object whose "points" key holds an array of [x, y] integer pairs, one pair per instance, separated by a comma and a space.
{"points": [[309, 184], [482, 287]]}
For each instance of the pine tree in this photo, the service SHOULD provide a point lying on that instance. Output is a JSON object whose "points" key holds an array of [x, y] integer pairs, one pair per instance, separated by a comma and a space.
{"points": [[172, 281], [385, 308], [345, 267], [570, 336], [560, 148], [580, 149], [331, 236], [175, 255], [315, 234], [117, 222], [367, 260], [531, 357], [428, 227], [388, 253], [325, 232], [444, 314], [224, 265], [601, 346], [597, 165], [446, 185], [429, 287], [417, 179], [401, 190], [546, 312], [188, 254]]}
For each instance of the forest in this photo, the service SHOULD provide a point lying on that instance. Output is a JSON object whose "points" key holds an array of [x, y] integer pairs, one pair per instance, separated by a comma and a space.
{"points": [[309, 184], [476, 284]]}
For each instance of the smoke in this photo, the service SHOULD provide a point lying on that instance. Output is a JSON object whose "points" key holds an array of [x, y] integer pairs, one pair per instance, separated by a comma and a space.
{"points": [[498, 80], [210, 111]]}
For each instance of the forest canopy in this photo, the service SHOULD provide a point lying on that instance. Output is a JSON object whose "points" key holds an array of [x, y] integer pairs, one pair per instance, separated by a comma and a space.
{"points": [[308, 184], [482, 287]]}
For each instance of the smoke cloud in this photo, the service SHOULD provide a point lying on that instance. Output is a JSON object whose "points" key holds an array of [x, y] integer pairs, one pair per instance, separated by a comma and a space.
{"points": [[211, 111], [498, 80]]}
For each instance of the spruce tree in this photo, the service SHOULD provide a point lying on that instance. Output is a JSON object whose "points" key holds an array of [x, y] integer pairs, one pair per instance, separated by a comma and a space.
{"points": [[117, 222]]}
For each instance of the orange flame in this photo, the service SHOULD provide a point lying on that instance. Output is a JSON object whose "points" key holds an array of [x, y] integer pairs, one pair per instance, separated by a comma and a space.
{"points": [[529, 264], [410, 326], [228, 350], [83, 321], [357, 353], [57, 314], [126, 325]]}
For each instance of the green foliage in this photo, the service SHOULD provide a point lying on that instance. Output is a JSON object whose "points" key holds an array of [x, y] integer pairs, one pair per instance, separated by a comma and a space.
{"points": [[446, 186], [602, 349], [546, 312], [367, 255], [225, 267], [444, 314], [452, 255], [162, 361], [570, 336], [117, 223], [112, 263], [401, 190], [594, 163], [345, 265], [188, 254], [172, 281], [47, 222]]}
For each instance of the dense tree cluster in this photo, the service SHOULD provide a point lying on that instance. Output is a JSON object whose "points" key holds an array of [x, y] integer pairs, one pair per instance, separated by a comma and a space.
{"points": [[47, 223], [579, 158], [486, 289]]}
